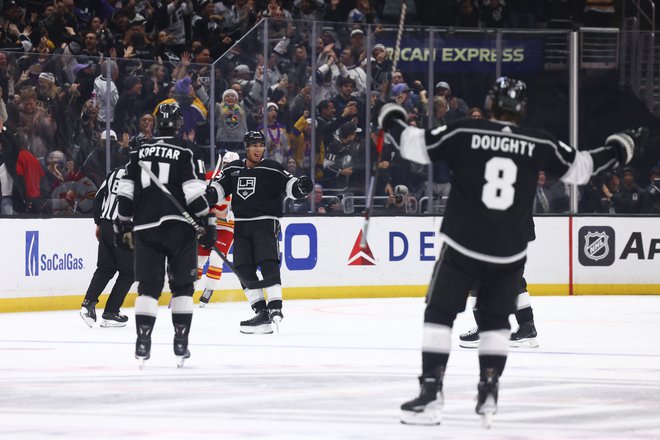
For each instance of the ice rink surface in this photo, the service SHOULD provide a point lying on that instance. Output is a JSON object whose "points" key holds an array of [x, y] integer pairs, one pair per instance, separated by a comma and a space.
{"points": [[339, 369]]}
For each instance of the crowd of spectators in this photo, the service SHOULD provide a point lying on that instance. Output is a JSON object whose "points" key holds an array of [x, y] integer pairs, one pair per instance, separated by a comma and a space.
{"points": [[80, 79]]}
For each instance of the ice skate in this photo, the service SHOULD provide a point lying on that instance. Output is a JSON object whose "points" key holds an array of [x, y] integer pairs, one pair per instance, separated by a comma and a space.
{"points": [[487, 398], [205, 298], [259, 324], [114, 320], [88, 312], [276, 316], [181, 344], [427, 408], [469, 339], [143, 344], [525, 336]]}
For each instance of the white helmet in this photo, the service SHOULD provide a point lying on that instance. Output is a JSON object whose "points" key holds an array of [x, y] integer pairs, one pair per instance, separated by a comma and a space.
{"points": [[229, 157]]}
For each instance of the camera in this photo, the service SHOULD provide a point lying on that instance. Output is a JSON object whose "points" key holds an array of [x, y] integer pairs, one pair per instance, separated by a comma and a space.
{"points": [[398, 198]]}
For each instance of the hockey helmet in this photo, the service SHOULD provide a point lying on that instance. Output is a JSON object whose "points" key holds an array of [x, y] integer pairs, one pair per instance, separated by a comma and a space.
{"points": [[168, 116], [508, 94], [254, 137], [230, 156]]}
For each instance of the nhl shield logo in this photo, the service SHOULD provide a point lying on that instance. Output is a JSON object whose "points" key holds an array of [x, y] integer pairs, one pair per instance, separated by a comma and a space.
{"points": [[246, 186], [596, 245]]}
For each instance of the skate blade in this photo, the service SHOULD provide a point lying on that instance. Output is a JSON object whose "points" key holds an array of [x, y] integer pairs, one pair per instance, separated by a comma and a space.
{"points": [[469, 344], [109, 323], [276, 322], [141, 360], [486, 420], [265, 329], [524, 343], [487, 410], [432, 415], [179, 361], [89, 321]]}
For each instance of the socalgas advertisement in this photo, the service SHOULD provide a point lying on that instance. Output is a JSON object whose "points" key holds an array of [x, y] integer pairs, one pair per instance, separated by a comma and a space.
{"points": [[322, 257]]}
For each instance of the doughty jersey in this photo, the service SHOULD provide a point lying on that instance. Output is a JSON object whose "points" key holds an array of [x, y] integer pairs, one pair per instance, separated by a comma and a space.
{"points": [[257, 193], [176, 165], [495, 166]]}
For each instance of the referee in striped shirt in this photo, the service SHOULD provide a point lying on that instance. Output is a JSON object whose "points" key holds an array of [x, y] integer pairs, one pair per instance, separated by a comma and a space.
{"points": [[111, 258]]}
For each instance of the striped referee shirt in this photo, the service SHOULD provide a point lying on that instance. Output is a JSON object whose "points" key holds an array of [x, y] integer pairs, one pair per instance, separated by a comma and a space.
{"points": [[105, 201]]}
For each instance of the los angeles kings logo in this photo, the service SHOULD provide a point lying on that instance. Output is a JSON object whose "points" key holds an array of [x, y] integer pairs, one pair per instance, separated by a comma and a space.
{"points": [[246, 186]]}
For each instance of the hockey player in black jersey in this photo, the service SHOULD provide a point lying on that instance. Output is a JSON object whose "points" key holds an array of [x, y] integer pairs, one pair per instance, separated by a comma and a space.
{"points": [[110, 258], [257, 186], [526, 334], [160, 232], [495, 164]]}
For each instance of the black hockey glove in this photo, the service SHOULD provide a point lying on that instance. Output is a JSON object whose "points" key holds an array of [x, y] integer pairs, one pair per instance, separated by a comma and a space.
{"points": [[123, 234], [211, 195], [302, 187], [389, 113], [627, 143], [209, 234]]}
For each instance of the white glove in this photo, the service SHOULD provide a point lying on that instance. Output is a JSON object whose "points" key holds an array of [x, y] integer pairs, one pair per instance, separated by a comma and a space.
{"points": [[623, 145]]}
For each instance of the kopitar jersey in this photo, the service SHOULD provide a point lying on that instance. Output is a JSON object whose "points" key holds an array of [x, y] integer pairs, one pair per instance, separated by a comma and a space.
{"points": [[176, 164], [495, 166], [257, 192]]}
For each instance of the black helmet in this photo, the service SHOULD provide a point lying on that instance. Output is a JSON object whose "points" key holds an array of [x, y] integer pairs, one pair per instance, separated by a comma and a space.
{"points": [[508, 94], [254, 137], [168, 116]]}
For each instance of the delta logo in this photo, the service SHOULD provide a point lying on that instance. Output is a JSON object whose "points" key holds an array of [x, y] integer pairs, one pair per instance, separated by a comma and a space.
{"points": [[35, 261], [360, 256]]}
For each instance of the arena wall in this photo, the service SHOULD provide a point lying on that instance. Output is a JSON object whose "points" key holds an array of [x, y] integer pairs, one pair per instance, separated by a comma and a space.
{"points": [[47, 263]]}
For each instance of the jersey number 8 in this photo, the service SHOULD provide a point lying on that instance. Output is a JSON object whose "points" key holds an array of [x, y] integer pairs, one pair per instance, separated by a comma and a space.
{"points": [[500, 175]]}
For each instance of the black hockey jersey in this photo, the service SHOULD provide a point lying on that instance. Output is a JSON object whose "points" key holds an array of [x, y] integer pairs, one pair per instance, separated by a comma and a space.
{"points": [[176, 164], [495, 166], [257, 193]]}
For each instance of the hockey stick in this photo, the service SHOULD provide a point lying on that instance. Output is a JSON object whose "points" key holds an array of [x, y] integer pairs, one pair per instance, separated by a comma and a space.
{"points": [[381, 135], [199, 229]]}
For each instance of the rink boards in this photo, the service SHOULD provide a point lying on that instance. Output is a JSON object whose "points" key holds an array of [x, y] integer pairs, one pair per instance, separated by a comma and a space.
{"points": [[47, 263]]}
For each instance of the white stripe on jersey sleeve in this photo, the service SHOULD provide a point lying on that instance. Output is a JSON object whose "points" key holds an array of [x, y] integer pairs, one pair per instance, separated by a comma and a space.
{"points": [[289, 187], [193, 189], [126, 188], [580, 171], [413, 145]]}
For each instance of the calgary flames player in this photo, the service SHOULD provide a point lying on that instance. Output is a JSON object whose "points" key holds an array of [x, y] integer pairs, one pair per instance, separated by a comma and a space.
{"points": [[225, 226]]}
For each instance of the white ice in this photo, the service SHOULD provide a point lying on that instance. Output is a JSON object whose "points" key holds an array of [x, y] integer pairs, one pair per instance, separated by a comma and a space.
{"points": [[339, 369]]}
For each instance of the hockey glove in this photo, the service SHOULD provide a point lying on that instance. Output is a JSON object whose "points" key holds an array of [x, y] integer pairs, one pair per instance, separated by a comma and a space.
{"points": [[389, 114], [209, 234], [302, 187], [123, 234], [626, 143]]}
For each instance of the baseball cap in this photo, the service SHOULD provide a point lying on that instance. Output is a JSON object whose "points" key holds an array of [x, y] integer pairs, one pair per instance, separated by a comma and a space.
{"points": [[242, 68], [442, 85], [356, 32], [397, 89], [380, 46], [113, 135], [47, 76]]}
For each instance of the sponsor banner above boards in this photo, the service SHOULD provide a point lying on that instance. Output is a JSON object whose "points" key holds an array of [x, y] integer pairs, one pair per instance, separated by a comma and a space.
{"points": [[58, 256]]}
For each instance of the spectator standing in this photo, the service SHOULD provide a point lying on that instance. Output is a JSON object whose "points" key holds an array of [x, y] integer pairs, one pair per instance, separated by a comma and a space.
{"points": [[232, 123], [652, 193], [101, 83], [457, 108], [338, 161], [630, 197], [277, 139]]}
